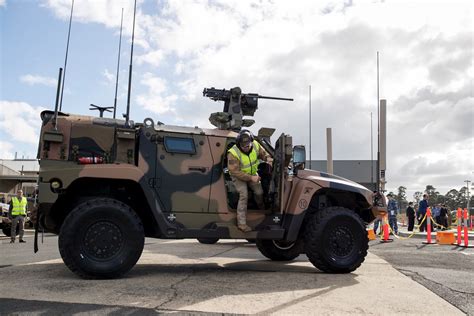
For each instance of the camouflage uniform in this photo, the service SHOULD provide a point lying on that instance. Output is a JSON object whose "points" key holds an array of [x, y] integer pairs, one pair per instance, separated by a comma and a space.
{"points": [[243, 180]]}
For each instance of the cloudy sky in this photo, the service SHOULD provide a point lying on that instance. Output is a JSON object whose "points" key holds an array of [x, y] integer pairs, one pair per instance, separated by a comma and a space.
{"points": [[276, 48]]}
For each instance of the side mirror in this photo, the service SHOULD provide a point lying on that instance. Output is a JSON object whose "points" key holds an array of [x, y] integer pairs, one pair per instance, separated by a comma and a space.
{"points": [[299, 157]]}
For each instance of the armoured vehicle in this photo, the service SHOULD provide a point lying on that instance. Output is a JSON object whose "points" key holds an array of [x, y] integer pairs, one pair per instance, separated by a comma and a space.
{"points": [[106, 184]]}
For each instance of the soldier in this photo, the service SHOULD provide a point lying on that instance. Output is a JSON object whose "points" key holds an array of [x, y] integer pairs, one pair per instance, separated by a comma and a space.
{"points": [[17, 214], [243, 160]]}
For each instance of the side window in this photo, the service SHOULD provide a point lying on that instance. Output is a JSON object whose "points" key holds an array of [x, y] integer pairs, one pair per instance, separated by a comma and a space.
{"points": [[180, 145]]}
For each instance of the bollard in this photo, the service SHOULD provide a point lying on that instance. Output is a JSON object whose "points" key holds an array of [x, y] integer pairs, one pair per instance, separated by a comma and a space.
{"points": [[428, 228], [386, 232], [466, 233], [462, 215], [458, 216]]}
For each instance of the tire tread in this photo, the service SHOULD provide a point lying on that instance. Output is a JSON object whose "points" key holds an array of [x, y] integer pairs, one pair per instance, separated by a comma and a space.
{"points": [[313, 239], [66, 234]]}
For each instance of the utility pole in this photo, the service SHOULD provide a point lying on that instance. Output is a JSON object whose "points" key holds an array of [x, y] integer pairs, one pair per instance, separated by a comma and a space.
{"points": [[378, 128], [371, 155], [309, 126]]}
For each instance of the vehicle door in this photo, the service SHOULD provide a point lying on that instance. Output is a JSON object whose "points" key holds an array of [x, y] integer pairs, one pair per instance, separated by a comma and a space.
{"points": [[281, 162], [183, 172]]}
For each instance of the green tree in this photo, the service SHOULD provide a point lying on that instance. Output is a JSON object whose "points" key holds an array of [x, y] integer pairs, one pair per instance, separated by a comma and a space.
{"points": [[451, 199], [432, 194], [401, 197], [417, 196], [462, 198], [441, 199]]}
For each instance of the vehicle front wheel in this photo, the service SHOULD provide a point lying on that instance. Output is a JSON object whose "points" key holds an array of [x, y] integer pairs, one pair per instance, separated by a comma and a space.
{"points": [[279, 250], [101, 238], [336, 240]]}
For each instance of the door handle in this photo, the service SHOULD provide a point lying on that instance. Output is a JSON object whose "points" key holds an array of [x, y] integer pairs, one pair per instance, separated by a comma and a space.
{"points": [[200, 169]]}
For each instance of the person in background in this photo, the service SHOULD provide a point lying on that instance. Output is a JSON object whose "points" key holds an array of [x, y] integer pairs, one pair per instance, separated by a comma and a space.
{"points": [[435, 214], [443, 217], [392, 209], [422, 207], [17, 214], [410, 213]]}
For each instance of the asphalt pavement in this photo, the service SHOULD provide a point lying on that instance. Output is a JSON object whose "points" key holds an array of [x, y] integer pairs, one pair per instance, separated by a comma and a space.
{"points": [[230, 277]]}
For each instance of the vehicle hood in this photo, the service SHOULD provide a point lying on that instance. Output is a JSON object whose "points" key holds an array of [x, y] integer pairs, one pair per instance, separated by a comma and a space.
{"points": [[327, 180]]}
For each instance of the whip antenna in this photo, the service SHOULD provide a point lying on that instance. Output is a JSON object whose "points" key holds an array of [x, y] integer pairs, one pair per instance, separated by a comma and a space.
{"points": [[65, 59], [127, 115], [118, 66]]}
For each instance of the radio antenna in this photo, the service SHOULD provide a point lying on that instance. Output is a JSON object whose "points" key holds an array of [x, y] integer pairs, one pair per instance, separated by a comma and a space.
{"points": [[118, 66], [65, 59], [127, 115]]}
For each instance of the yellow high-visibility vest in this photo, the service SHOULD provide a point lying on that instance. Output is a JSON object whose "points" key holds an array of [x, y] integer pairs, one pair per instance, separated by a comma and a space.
{"points": [[248, 162], [19, 207]]}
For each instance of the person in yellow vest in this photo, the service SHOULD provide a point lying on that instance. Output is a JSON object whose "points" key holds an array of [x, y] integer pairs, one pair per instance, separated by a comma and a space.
{"points": [[242, 163], [17, 214]]}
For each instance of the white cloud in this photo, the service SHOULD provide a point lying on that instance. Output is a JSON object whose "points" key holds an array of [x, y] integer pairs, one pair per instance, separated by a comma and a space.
{"points": [[36, 79], [20, 121], [106, 12], [109, 77], [7, 150], [157, 99], [3, 3], [153, 58]]}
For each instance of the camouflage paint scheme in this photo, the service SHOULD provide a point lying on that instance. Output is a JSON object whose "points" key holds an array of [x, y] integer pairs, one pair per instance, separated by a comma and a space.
{"points": [[186, 192]]}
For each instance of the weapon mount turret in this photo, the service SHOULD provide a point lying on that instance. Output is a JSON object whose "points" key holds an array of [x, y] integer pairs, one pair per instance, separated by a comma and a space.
{"points": [[236, 105]]}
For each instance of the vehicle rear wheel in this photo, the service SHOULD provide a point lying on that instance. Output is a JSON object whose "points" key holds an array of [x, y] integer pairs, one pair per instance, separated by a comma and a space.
{"points": [[7, 230], [101, 238], [336, 240], [279, 250], [208, 241]]}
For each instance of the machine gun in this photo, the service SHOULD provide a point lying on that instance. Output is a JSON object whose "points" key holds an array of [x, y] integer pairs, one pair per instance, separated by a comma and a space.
{"points": [[236, 105]]}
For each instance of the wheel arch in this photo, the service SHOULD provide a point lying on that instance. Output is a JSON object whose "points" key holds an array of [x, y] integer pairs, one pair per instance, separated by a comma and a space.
{"points": [[328, 197], [350, 199], [81, 189]]}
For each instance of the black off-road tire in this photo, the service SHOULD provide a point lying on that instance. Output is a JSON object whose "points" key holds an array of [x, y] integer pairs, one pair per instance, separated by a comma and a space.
{"points": [[336, 240], [7, 230], [279, 250], [101, 238], [208, 241]]}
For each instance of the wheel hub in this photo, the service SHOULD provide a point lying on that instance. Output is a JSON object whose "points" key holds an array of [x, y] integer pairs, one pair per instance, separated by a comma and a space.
{"points": [[341, 241], [103, 240]]}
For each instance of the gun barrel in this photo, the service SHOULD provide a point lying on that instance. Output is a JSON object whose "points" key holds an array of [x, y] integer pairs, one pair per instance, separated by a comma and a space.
{"points": [[274, 98]]}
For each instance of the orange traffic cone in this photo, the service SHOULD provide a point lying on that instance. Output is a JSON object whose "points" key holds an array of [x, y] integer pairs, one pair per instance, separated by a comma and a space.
{"points": [[428, 228], [466, 233]]}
